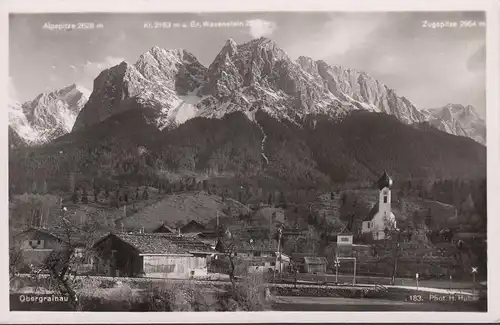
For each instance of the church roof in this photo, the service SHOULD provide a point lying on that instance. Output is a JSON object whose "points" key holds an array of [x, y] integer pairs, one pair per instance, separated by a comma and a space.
{"points": [[384, 181], [372, 213]]}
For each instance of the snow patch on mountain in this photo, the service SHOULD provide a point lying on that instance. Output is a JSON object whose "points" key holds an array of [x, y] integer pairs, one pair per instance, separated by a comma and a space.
{"points": [[19, 123], [49, 115]]}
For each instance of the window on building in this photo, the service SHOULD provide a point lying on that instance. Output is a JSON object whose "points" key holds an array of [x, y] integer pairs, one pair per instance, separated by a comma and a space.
{"points": [[36, 244], [79, 252], [385, 198]]}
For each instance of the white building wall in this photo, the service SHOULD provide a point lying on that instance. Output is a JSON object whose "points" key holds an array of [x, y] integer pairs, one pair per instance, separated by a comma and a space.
{"points": [[383, 219], [174, 266]]}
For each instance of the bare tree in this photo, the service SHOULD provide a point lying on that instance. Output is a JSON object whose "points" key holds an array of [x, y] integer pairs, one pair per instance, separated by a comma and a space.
{"points": [[70, 257], [228, 246], [15, 259]]}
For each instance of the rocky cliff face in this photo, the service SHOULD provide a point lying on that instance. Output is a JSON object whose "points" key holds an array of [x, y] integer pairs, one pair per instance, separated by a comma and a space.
{"points": [[459, 120], [161, 79], [48, 116]]}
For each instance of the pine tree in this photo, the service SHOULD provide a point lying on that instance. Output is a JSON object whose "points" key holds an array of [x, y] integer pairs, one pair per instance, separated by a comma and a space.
{"points": [[85, 198], [428, 218], [74, 197], [282, 200]]}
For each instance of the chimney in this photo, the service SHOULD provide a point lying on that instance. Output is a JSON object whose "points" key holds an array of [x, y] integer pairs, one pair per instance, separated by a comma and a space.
{"points": [[123, 227], [217, 219], [179, 230], [125, 210]]}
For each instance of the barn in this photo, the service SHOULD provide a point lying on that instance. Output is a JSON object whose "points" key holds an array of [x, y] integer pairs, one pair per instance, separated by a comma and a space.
{"points": [[153, 255]]}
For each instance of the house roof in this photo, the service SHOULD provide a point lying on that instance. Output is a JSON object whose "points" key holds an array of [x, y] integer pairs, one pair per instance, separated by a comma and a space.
{"points": [[193, 223], [70, 236], [172, 230], [161, 243], [241, 245], [191, 234], [315, 260], [372, 213], [469, 235]]}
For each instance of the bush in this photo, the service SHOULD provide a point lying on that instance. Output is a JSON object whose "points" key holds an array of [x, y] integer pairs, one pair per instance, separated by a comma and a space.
{"points": [[182, 296], [105, 284], [249, 294]]}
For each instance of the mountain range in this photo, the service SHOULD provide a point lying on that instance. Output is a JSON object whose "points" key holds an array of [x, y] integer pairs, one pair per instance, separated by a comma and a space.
{"points": [[247, 77], [254, 110]]}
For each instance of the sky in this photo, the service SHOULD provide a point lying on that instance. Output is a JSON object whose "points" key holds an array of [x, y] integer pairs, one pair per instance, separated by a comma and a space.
{"points": [[430, 66]]}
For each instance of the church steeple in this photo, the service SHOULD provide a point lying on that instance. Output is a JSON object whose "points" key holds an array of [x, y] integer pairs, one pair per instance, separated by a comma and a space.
{"points": [[384, 181]]}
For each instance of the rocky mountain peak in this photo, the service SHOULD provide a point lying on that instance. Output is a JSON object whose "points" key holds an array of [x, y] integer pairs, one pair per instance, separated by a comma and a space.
{"points": [[47, 116], [230, 47], [459, 120]]}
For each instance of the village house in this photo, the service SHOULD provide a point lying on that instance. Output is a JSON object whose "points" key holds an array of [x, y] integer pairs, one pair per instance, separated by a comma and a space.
{"points": [[268, 264], [380, 218], [255, 255], [154, 255], [305, 263], [164, 229], [36, 244], [192, 227]]}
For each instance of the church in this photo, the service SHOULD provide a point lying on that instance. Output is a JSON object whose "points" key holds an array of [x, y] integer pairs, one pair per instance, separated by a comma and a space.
{"points": [[380, 218]]}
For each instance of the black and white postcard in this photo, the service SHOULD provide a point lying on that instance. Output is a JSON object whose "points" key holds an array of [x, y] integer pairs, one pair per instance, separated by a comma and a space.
{"points": [[326, 159]]}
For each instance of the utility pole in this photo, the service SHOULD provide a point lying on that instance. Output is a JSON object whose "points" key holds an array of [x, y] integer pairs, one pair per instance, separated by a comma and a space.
{"points": [[474, 271], [337, 265], [280, 231], [354, 275]]}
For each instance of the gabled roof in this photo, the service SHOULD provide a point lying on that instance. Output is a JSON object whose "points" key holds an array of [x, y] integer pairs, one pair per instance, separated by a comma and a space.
{"points": [[193, 223], [372, 213], [161, 243], [69, 236], [315, 260], [164, 226]]}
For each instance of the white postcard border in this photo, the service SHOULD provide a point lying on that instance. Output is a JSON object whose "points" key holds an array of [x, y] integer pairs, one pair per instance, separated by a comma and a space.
{"points": [[158, 6]]}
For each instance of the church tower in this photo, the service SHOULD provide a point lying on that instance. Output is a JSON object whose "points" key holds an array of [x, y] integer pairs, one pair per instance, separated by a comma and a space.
{"points": [[380, 218], [384, 203]]}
